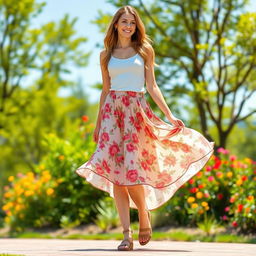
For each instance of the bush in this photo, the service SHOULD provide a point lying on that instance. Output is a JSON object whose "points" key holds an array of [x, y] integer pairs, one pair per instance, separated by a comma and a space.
{"points": [[224, 189], [54, 193]]}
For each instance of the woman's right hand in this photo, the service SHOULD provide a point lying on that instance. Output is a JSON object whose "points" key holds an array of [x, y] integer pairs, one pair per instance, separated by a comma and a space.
{"points": [[96, 133]]}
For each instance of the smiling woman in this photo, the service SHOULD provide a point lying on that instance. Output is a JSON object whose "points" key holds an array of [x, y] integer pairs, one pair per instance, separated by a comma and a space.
{"points": [[140, 160]]}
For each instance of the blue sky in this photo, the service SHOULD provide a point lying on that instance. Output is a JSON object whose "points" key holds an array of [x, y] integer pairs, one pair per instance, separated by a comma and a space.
{"points": [[86, 11]]}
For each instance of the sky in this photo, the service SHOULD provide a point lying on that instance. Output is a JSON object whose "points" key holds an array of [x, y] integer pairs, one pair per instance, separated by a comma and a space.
{"points": [[86, 11]]}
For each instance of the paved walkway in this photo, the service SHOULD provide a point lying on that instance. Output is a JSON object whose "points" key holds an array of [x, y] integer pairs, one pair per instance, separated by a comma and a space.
{"points": [[64, 247]]}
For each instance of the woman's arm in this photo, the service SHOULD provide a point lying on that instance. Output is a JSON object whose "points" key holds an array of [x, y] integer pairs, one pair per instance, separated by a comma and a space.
{"points": [[105, 88], [155, 91]]}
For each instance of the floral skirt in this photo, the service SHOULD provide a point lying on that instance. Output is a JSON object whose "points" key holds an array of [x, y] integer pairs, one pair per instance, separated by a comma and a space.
{"points": [[136, 147]]}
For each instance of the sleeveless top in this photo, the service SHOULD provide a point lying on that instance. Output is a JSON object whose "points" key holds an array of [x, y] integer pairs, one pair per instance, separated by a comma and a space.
{"points": [[127, 74]]}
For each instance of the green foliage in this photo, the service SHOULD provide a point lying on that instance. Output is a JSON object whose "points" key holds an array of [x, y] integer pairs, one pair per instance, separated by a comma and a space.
{"points": [[55, 195], [223, 190], [206, 55], [34, 66], [208, 225], [108, 216]]}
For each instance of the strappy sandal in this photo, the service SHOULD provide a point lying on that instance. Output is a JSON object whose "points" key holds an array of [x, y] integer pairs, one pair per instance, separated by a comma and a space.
{"points": [[145, 232], [127, 243]]}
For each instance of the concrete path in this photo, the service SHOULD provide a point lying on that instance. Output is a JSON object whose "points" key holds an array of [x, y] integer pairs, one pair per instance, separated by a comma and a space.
{"points": [[61, 247]]}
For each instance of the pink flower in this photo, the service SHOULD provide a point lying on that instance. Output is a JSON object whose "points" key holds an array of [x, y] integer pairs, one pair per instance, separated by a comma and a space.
{"points": [[120, 159], [105, 166], [224, 217], [113, 149], [208, 168], [105, 136], [226, 209], [131, 147], [223, 151], [126, 136], [132, 175], [232, 158], [211, 178]]}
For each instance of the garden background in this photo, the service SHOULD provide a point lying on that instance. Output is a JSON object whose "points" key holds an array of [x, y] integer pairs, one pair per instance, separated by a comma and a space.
{"points": [[50, 86]]}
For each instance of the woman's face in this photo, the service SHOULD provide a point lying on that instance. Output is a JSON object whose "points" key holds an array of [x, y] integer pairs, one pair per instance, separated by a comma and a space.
{"points": [[126, 25]]}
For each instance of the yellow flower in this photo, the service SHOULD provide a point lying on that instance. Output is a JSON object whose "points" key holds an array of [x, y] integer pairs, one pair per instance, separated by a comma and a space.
{"points": [[9, 213], [247, 209], [49, 191], [207, 208], [41, 166], [204, 204], [29, 193], [199, 195], [7, 194], [239, 182], [11, 178], [191, 199], [18, 207], [5, 207], [229, 174], [194, 205], [250, 197], [61, 157], [7, 219], [200, 211], [248, 160]]}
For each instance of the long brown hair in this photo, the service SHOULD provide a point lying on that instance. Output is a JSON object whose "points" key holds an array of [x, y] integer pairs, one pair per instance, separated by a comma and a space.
{"points": [[141, 42]]}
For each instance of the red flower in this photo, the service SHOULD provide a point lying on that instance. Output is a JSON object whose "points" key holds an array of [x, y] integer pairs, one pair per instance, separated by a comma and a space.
{"points": [[149, 133], [85, 118], [144, 165], [135, 138], [132, 175], [131, 93], [244, 177], [240, 207], [125, 100], [191, 181], [193, 190], [234, 224], [220, 196], [145, 153], [139, 117], [105, 166]]}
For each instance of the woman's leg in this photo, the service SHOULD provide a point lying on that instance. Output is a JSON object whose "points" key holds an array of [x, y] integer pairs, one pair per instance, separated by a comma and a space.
{"points": [[137, 194], [123, 207]]}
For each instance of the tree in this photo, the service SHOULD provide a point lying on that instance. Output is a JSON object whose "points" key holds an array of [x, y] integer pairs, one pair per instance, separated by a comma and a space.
{"points": [[207, 50], [28, 110]]}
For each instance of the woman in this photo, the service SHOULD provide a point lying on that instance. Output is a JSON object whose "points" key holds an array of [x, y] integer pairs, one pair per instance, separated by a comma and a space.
{"points": [[140, 160]]}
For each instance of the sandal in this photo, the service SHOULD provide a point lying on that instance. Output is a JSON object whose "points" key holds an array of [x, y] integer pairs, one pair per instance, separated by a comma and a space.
{"points": [[145, 232], [127, 243]]}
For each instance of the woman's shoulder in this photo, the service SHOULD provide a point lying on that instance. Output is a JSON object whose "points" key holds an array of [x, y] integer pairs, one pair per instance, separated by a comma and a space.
{"points": [[103, 53]]}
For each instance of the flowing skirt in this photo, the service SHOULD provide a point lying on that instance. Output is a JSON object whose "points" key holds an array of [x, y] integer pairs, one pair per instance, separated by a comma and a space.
{"points": [[136, 147]]}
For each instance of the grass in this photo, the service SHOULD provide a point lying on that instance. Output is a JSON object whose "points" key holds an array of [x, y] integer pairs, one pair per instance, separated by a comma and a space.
{"points": [[177, 235]]}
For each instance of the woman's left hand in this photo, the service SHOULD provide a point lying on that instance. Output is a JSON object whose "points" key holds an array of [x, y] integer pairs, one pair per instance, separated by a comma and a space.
{"points": [[176, 122]]}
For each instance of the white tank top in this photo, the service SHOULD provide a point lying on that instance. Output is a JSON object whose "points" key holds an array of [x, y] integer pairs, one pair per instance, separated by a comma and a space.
{"points": [[127, 74]]}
